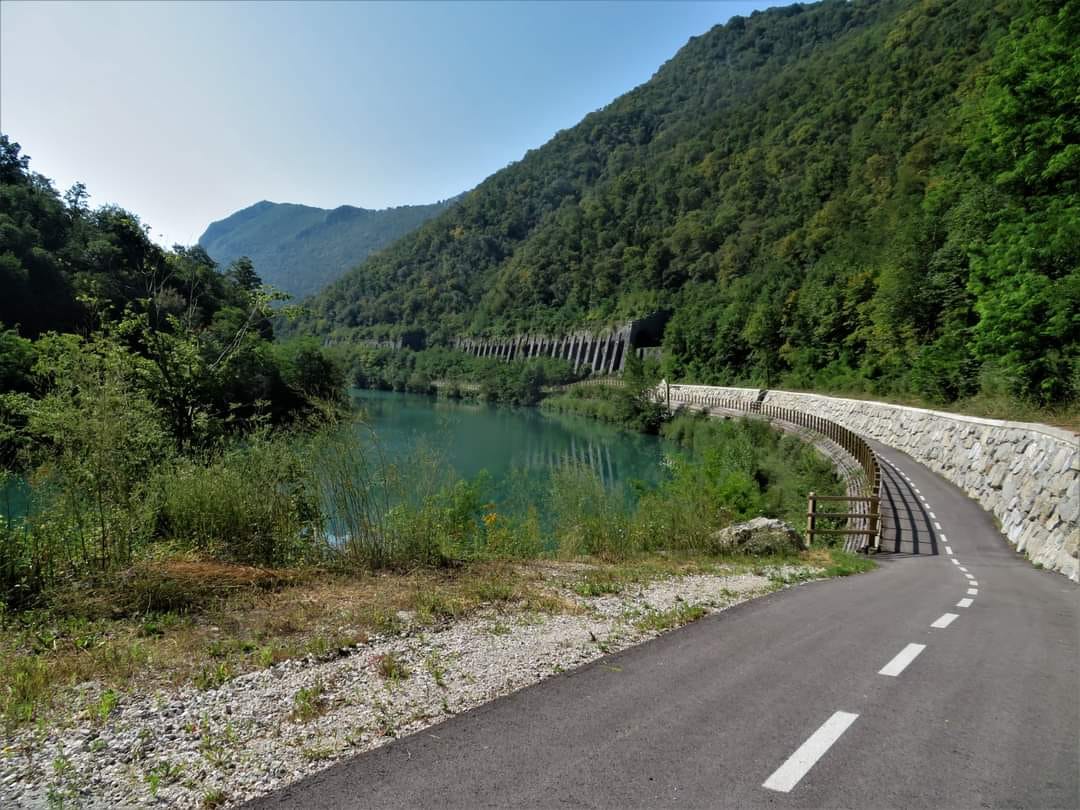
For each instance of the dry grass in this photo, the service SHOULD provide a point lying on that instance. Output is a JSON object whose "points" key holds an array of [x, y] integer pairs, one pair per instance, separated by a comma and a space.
{"points": [[179, 621], [194, 621]]}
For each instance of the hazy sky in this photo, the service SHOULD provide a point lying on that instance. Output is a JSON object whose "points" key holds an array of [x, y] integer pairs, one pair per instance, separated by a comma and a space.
{"points": [[186, 112]]}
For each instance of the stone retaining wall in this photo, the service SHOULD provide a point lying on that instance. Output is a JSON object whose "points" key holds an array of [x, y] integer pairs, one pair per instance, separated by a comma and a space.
{"points": [[709, 395], [847, 467], [1026, 475]]}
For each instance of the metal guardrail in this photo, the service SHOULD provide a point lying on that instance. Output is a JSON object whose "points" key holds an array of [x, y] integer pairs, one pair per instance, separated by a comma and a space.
{"points": [[866, 523]]}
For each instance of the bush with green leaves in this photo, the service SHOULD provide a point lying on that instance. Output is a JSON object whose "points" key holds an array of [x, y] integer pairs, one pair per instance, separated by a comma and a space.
{"points": [[252, 503]]}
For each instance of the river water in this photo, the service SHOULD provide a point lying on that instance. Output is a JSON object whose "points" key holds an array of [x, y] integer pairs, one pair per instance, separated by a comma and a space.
{"points": [[518, 448]]}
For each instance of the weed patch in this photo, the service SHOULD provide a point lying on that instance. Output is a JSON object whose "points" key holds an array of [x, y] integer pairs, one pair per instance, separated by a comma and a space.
{"points": [[214, 798], [391, 668], [308, 703], [660, 620]]}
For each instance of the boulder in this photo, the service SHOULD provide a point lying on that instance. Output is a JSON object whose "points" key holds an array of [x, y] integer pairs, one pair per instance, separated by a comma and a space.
{"points": [[761, 535]]}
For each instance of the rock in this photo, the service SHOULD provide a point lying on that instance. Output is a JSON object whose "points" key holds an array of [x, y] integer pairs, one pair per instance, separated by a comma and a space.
{"points": [[997, 474], [761, 535]]}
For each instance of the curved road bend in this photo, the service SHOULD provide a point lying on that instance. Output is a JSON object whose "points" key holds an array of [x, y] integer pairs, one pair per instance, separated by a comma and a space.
{"points": [[949, 677]]}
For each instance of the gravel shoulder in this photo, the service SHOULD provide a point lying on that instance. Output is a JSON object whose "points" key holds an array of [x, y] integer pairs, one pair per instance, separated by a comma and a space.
{"points": [[190, 748]]}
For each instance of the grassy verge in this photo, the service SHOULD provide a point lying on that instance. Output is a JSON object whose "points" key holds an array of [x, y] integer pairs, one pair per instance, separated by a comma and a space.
{"points": [[238, 619], [234, 619]]}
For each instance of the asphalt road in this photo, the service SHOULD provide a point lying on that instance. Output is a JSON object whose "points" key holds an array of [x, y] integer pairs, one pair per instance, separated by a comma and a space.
{"points": [[781, 702]]}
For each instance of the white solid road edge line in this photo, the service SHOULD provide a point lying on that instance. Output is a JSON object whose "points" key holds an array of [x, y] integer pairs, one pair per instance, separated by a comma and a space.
{"points": [[964, 602], [798, 764], [902, 659], [945, 620]]}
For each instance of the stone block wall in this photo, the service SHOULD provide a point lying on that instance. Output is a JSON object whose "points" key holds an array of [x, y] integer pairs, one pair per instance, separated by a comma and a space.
{"points": [[708, 396], [1026, 475]]}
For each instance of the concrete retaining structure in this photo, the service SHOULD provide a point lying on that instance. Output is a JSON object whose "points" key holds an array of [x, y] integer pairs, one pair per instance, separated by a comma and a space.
{"points": [[600, 353], [1026, 475], [603, 352]]}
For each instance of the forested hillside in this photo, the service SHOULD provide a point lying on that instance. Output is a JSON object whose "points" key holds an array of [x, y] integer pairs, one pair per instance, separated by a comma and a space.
{"points": [[862, 196], [99, 323], [300, 249]]}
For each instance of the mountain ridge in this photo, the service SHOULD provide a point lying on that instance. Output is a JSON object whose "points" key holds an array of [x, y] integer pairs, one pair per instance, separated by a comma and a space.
{"points": [[301, 248]]}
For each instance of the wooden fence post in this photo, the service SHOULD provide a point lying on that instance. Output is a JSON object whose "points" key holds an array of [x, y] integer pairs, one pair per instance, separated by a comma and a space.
{"points": [[811, 508]]}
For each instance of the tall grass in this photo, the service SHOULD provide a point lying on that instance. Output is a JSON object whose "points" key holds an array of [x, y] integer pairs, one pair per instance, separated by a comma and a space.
{"points": [[588, 519], [736, 470], [330, 497], [352, 479], [252, 504], [747, 468], [378, 514]]}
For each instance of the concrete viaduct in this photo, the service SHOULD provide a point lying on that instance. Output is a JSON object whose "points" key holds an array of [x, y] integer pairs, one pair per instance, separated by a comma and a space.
{"points": [[602, 352]]}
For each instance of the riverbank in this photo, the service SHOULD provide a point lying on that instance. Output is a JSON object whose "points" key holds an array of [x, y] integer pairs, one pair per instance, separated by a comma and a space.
{"points": [[368, 659], [196, 669]]}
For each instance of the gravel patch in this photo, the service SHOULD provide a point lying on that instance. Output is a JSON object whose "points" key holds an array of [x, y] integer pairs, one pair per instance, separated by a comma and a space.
{"points": [[260, 731]]}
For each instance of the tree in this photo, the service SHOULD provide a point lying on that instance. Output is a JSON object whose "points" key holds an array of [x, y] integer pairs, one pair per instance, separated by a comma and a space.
{"points": [[1026, 277], [242, 272]]}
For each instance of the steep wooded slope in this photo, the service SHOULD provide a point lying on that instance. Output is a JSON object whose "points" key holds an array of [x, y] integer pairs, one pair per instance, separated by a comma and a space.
{"points": [[877, 196]]}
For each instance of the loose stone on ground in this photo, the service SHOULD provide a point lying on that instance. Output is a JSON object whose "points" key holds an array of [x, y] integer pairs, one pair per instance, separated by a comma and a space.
{"points": [[263, 730]]}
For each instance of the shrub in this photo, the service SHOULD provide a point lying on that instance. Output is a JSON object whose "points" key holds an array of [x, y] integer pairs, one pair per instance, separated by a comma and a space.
{"points": [[251, 504]]}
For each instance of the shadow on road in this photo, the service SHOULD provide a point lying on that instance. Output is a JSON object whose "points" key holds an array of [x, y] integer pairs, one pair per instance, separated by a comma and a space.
{"points": [[906, 527]]}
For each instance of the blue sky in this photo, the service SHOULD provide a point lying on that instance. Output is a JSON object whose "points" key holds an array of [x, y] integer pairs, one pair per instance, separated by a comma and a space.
{"points": [[186, 112]]}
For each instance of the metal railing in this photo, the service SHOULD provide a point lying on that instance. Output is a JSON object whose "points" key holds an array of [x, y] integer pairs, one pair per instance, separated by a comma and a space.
{"points": [[865, 523]]}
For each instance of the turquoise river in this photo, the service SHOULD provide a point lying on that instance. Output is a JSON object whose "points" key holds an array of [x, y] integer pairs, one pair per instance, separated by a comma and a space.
{"points": [[517, 448]]}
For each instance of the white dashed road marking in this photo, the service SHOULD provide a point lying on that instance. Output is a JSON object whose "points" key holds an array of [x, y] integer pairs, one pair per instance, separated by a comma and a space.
{"points": [[963, 569], [945, 620], [970, 576], [937, 526], [902, 659], [798, 764], [974, 583], [948, 549], [972, 591], [933, 516], [965, 602]]}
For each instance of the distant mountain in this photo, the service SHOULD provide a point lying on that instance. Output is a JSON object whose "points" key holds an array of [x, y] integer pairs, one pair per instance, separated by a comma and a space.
{"points": [[300, 249]]}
